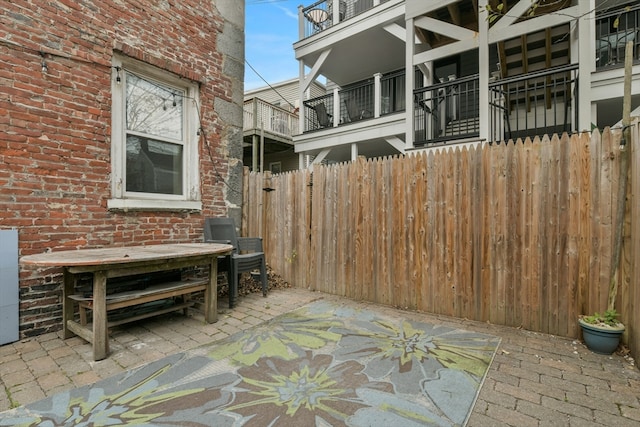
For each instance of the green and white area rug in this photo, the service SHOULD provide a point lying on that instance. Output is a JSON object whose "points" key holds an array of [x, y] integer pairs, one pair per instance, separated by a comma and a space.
{"points": [[321, 365]]}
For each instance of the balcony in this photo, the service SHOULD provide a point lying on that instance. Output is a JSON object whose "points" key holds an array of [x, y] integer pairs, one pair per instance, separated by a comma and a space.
{"points": [[531, 104], [267, 135], [368, 99], [447, 111], [534, 104], [613, 31], [260, 116], [320, 15]]}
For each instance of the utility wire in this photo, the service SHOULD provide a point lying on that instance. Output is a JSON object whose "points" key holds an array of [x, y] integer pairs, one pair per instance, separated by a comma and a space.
{"points": [[268, 84], [264, 1]]}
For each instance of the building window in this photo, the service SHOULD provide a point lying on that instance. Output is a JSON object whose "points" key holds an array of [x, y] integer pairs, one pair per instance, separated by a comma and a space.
{"points": [[154, 139], [276, 167]]}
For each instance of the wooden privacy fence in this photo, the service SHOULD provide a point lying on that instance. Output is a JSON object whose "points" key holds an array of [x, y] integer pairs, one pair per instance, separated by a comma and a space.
{"points": [[517, 234]]}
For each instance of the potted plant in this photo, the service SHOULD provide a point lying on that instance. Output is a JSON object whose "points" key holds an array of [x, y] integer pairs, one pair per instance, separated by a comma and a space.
{"points": [[601, 332]]}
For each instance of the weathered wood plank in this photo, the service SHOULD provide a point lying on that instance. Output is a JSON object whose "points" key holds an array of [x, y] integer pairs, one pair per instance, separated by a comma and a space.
{"points": [[477, 206], [524, 226], [585, 200], [499, 234], [537, 251], [563, 288], [487, 291], [449, 230], [464, 285], [512, 235], [594, 261], [572, 275]]}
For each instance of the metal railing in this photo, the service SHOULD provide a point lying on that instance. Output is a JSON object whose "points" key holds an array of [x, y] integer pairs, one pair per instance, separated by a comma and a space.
{"points": [[392, 91], [446, 111], [613, 30], [260, 115], [539, 103], [319, 16], [356, 102], [532, 104], [318, 113]]}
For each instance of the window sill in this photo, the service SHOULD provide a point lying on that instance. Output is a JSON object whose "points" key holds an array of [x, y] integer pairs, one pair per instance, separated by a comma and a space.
{"points": [[153, 205]]}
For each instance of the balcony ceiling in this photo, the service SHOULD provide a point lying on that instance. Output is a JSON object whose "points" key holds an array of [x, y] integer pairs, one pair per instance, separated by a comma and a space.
{"points": [[358, 55]]}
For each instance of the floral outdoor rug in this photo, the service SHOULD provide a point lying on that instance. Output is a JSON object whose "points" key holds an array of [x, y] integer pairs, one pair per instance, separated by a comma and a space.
{"points": [[323, 364]]}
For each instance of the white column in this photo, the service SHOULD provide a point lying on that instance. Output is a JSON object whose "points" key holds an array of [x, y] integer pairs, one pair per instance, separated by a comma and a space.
{"points": [[409, 83], [586, 60], [336, 107], [300, 23], [354, 152], [483, 70], [377, 94], [301, 94]]}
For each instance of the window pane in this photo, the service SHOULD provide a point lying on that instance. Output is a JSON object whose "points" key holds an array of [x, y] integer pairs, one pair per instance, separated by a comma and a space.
{"points": [[153, 166], [154, 109]]}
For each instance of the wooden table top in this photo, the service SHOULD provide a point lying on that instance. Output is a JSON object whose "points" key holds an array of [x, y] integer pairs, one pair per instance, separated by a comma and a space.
{"points": [[123, 254]]}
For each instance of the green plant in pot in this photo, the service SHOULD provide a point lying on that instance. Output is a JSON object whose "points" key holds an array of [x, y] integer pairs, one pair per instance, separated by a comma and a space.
{"points": [[601, 332]]}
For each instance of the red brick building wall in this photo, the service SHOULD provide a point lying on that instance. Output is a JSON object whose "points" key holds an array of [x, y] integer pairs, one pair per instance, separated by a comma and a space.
{"points": [[55, 126]]}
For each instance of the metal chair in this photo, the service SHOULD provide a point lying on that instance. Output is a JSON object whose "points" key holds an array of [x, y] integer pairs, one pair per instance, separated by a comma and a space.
{"points": [[324, 119], [354, 112], [247, 253]]}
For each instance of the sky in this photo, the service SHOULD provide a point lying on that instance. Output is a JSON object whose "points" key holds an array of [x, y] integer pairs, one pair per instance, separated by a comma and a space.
{"points": [[270, 31]]}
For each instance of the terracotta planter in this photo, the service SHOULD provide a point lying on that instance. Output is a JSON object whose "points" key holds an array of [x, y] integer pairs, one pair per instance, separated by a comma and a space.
{"points": [[601, 339]]}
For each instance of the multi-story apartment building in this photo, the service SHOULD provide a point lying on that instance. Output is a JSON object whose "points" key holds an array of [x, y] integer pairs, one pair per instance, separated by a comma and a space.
{"points": [[413, 74], [270, 119]]}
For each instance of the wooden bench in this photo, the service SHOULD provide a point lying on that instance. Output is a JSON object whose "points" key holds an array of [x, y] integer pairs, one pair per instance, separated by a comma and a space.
{"points": [[155, 292]]}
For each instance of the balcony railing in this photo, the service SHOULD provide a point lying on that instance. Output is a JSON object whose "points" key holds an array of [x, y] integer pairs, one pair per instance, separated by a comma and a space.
{"points": [[613, 31], [528, 105], [532, 104], [356, 102], [260, 115], [392, 88], [447, 111], [320, 15], [540, 103], [319, 113], [378, 96]]}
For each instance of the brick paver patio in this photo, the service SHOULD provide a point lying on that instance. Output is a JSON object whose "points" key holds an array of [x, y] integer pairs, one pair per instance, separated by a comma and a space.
{"points": [[534, 380]]}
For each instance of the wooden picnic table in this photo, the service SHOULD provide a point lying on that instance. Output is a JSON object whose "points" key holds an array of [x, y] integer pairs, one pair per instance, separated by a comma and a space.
{"points": [[110, 262]]}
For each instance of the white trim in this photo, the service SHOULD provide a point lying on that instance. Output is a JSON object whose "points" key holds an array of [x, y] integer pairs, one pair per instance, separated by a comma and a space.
{"points": [[545, 21], [153, 205], [190, 199], [396, 143], [446, 50], [483, 69], [513, 14], [454, 31], [315, 70]]}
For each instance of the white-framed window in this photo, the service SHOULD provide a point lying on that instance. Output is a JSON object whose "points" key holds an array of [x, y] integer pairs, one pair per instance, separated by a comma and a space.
{"points": [[154, 139]]}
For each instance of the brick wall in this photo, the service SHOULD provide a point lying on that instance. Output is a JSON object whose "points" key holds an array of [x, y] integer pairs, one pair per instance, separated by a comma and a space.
{"points": [[55, 127]]}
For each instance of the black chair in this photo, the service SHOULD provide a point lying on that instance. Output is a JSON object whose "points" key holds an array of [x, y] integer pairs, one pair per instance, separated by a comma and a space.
{"points": [[324, 119], [247, 253], [354, 112]]}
